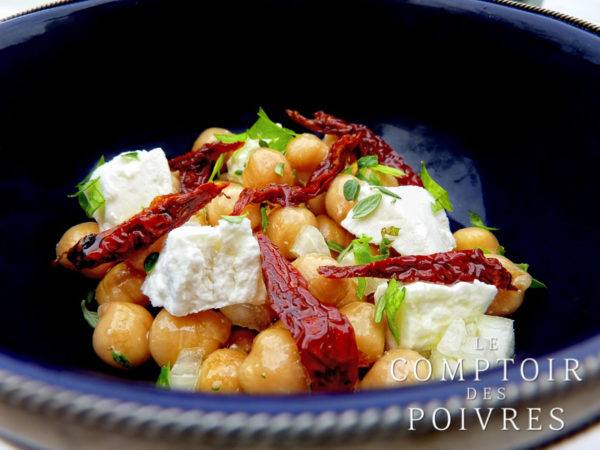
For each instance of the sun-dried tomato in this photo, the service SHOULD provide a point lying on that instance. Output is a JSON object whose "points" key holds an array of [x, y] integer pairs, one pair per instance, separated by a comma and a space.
{"points": [[165, 213], [324, 336], [196, 165], [319, 181], [443, 268], [370, 143]]}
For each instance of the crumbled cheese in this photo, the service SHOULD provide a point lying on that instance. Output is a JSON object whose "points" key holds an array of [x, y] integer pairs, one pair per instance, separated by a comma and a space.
{"points": [[421, 231], [129, 184], [204, 267]]}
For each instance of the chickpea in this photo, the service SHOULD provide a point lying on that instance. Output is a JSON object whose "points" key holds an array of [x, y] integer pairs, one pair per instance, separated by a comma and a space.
{"points": [[122, 330], [241, 339], [220, 371], [508, 301], [331, 231], [222, 205], [370, 336], [327, 290], [72, 237], [137, 260], [169, 334], [285, 224], [255, 317], [305, 152], [207, 136], [335, 203], [317, 204], [122, 283], [403, 361], [273, 365], [475, 237], [330, 139], [261, 167]]}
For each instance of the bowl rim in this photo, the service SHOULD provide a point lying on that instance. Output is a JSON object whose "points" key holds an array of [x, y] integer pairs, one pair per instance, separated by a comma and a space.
{"points": [[86, 399]]}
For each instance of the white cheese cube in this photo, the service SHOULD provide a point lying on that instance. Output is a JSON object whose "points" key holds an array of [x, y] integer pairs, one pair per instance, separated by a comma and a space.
{"points": [[422, 232], [130, 183], [204, 267]]}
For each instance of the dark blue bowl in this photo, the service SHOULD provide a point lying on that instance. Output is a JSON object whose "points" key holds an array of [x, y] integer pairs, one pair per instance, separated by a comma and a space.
{"points": [[501, 103]]}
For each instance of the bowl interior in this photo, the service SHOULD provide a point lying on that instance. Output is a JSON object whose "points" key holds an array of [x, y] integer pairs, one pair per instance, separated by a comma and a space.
{"points": [[501, 106]]}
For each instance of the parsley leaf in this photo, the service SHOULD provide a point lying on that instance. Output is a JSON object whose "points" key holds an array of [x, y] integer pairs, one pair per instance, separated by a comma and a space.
{"points": [[351, 188], [120, 359], [150, 262], [216, 172], [164, 378], [366, 206], [91, 317], [442, 201], [477, 221], [390, 302], [362, 255], [130, 156], [234, 219]]}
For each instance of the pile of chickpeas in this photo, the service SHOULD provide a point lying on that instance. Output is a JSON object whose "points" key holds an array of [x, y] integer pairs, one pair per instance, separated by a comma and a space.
{"points": [[244, 347]]}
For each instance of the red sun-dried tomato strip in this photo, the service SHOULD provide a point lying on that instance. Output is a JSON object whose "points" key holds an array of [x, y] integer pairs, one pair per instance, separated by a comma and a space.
{"points": [[443, 268], [370, 143], [165, 213], [319, 181], [324, 336], [196, 165]]}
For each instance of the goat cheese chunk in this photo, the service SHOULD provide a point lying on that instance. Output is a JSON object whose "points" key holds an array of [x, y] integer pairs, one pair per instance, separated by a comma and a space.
{"points": [[204, 267], [429, 308], [421, 231], [129, 182]]}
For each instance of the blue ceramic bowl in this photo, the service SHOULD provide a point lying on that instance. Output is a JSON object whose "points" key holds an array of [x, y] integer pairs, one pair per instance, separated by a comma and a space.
{"points": [[501, 103]]}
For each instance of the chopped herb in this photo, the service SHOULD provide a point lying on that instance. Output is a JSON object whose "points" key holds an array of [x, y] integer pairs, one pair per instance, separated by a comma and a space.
{"points": [[367, 161], [120, 359], [164, 378], [264, 219], [442, 201], [130, 156], [390, 231], [88, 193], [263, 144], [303, 183], [150, 262], [91, 317], [535, 284], [387, 192], [344, 252], [384, 247], [216, 172], [390, 302], [388, 170], [477, 221], [335, 246], [366, 206], [348, 170], [264, 375], [351, 189], [372, 162], [484, 250], [267, 132], [238, 172], [279, 169], [362, 255], [234, 219], [216, 388], [501, 250]]}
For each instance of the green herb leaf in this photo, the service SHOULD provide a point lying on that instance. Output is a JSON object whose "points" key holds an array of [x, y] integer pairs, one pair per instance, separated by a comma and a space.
{"points": [[238, 172], [150, 262], [390, 302], [131, 156], [366, 206], [484, 250], [164, 378], [535, 284], [264, 219], [91, 317], [387, 192], [230, 138], [442, 201], [501, 250], [94, 198], [362, 255], [477, 221], [120, 359], [367, 161], [335, 246], [302, 182], [388, 170], [384, 246], [234, 219], [523, 266], [279, 169], [263, 144], [351, 189], [345, 252], [216, 388], [216, 172]]}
